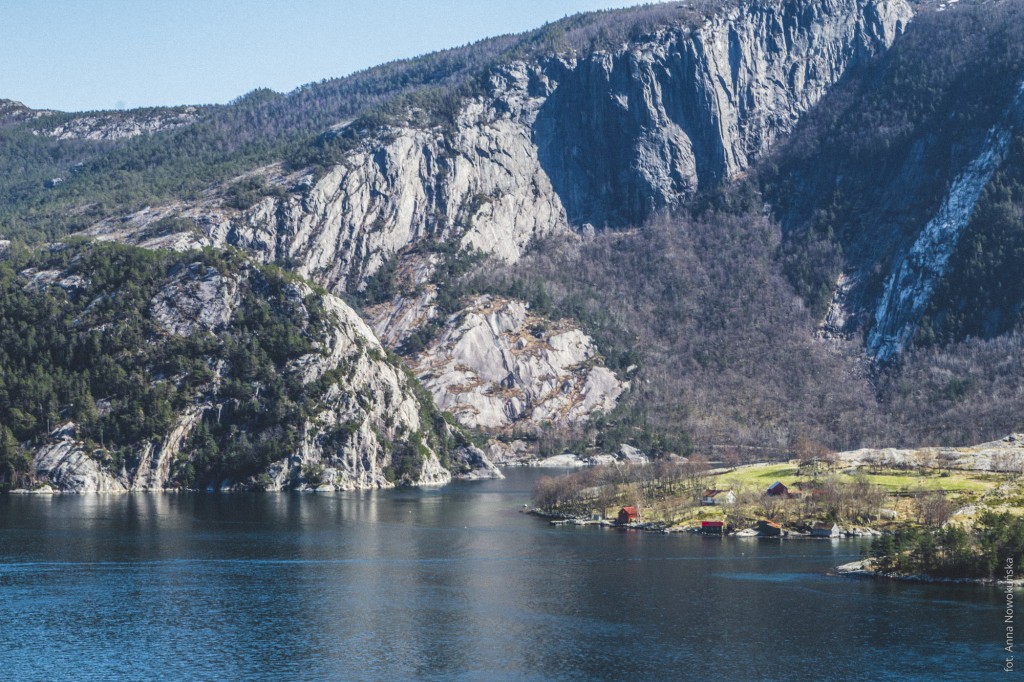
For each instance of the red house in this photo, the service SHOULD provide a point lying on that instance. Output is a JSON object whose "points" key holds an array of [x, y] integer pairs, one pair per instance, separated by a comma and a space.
{"points": [[777, 489], [628, 515], [712, 527]]}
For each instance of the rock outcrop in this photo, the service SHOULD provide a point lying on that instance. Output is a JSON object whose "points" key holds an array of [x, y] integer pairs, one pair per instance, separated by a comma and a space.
{"points": [[909, 287], [495, 365], [1006, 454], [13, 113], [365, 425], [602, 138], [196, 298], [121, 125]]}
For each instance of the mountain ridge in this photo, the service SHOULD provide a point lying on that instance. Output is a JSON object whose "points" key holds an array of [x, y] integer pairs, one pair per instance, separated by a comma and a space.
{"points": [[773, 161]]}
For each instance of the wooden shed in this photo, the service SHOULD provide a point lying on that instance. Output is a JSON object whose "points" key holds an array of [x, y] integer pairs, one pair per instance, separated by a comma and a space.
{"points": [[769, 529], [777, 489], [628, 515], [825, 530]]}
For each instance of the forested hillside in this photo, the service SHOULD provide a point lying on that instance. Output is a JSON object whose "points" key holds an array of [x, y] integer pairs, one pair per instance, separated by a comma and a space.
{"points": [[867, 169], [196, 369], [100, 177], [761, 225]]}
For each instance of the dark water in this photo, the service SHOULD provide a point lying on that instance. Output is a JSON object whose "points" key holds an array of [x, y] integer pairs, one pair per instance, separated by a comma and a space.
{"points": [[450, 583]]}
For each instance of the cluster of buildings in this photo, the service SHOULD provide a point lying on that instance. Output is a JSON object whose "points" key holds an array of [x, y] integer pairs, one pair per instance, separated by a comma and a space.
{"points": [[771, 529], [713, 497]]}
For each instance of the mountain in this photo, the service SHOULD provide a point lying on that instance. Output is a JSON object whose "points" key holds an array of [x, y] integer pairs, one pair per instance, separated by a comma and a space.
{"points": [[680, 106], [125, 369], [740, 226], [898, 177]]}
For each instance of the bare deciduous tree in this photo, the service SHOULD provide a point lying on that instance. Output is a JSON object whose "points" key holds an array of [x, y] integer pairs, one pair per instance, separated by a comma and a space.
{"points": [[934, 508]]}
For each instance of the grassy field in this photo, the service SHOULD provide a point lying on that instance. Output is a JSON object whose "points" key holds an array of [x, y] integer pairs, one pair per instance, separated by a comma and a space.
{"points": [[928, 479], [760, 476], [971, 490]]}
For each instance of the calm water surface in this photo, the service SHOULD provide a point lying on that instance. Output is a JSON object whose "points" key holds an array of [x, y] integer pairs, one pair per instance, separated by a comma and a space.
{"points": [[452, 583]]}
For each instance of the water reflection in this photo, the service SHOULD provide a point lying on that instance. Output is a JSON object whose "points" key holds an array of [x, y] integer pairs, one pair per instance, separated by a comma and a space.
{"points": [[446, 583]]}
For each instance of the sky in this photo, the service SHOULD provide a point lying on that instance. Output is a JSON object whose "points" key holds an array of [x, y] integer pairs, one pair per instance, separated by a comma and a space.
{"points": [[76, 55]]}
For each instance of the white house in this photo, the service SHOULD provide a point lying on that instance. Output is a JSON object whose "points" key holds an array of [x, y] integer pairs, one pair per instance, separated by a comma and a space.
{"points": [[716, 498], [825, 530]]}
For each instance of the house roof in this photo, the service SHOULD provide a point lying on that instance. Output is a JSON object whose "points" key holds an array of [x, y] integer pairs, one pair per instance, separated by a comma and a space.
{"points": [[775, 485], [821, 525], [630, 510], [713, 524], [772, 524], [712, 493]]}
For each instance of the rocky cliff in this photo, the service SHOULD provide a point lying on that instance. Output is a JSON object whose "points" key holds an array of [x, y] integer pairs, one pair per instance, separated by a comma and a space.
{"points": [[601, 138], [879, 189], [256, 381], [909, 288], [548, 144], [640, 128], [495, 365], [107, 125], [120, 125]]}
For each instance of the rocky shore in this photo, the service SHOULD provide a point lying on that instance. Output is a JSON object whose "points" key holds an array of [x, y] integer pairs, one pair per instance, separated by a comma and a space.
{"points": [[863, 568]]}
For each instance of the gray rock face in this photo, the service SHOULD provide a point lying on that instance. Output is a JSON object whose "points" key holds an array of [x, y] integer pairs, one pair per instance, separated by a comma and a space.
{"points": [[121, 125], [65, 463], [1006, 454], [367, 409], [495, 365], [196, 299], [12, 112], [374, 403], [601, 139], [910, 286], [626, 132], [480, 183]]}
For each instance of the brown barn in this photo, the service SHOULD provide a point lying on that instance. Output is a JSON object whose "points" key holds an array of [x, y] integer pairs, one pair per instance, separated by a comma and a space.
{"points": [[628, 515], [777, 489]]}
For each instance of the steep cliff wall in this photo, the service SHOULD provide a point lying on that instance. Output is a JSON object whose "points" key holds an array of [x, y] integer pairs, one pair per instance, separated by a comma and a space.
{"points": [[879, 188], [626, 132], [226, 376], [603, 138]]}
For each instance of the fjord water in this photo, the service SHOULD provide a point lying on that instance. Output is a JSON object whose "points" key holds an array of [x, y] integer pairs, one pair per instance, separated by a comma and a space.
{"points": [[450, 583]]}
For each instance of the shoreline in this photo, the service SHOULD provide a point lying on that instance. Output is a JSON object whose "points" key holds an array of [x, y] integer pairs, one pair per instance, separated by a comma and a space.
{"points": [[659, 527], [861, 569]]}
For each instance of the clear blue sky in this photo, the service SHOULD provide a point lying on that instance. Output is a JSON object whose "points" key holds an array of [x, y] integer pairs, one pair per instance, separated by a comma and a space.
{"points": [[103, 54]]}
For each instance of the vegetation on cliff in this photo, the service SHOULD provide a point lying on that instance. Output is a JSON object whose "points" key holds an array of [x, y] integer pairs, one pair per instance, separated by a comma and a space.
{"points": [[85, 339], [99, 177]]}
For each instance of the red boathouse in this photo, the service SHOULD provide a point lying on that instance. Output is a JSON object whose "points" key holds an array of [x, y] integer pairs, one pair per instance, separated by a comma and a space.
{"points": [[628, 515]]}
